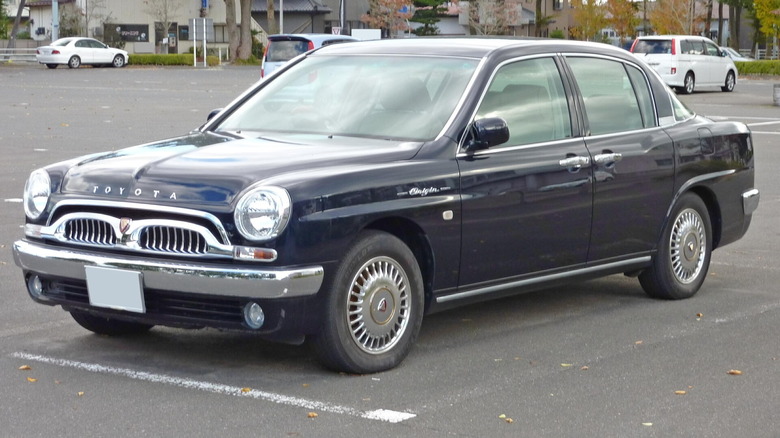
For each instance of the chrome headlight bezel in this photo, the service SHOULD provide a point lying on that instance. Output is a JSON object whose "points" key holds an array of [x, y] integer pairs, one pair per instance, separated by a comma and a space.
{"points": [[262, 213], [37, 191]]}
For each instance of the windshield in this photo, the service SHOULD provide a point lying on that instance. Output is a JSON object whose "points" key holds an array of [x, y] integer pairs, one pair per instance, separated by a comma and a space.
{"points": [[401, 97]]}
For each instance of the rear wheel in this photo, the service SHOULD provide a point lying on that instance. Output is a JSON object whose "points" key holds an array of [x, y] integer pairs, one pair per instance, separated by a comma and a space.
{"points": [[731, 81], [373, 310], [74, 62], [683, 257], [108, 326]]}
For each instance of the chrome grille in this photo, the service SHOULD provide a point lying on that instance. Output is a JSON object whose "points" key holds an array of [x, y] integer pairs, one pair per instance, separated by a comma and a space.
{"points": [[172, 240], [90, 231]]}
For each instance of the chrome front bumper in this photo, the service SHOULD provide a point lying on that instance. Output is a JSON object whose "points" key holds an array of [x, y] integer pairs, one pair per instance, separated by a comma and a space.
{"points": [[750, 201], [174, 276]]}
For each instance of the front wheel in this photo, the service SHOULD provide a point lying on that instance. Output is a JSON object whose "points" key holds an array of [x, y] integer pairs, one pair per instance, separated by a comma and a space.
{"points": [[51, 65], [373, 310], [108, 326], [731, 81], [689, 83], [683, 258], [119, 61]]}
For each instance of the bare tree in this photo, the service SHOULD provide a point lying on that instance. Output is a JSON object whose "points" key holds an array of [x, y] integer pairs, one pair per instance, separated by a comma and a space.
{"points": [[163, 12], [493, 17], [232, 28], [15, 28], [273, 26], [245, 46]]}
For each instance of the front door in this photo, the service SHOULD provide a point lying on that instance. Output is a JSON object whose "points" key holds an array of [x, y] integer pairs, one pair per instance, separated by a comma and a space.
{"points": [[527, 203]]}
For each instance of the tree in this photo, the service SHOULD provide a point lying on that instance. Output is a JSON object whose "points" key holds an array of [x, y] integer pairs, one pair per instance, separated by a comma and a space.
{"points": [[623, 18], [3, 20], [671, 17], [234, 36], [15, 28], [493, 17], [163, 12], [388, 15], [273, 26], [768, 15], [245, 46], [427, 13], [590, 17]]}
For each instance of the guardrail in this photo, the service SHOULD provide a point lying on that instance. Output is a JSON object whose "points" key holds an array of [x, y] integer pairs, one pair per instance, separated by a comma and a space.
{"points": [[17, 55]]}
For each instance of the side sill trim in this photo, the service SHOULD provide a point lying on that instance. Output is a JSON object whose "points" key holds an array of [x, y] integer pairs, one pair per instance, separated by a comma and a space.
{"points": [[542, 279]]}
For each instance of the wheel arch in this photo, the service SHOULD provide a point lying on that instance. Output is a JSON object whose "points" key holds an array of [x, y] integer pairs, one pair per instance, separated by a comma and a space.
{"points": [[415, 238], [713, 209]]}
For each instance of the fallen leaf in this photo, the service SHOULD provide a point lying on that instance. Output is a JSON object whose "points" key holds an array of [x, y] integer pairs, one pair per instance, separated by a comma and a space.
{"points": [[305, 385], [735, 372], [584, 368], [509, 420], [25, 368], [312, 415], [680, 392], [32, 380], [245, 390], [64, 125], [699, 315], [502, 416], [639, 342], [647, 424], [80, 393], [566, 365]]}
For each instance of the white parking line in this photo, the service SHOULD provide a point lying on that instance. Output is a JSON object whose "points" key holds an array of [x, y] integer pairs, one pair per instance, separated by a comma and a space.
{"points": [[378, 414]]}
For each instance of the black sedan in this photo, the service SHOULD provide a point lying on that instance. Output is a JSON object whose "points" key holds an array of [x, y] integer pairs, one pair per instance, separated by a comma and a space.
{"points": [[368, 184]]}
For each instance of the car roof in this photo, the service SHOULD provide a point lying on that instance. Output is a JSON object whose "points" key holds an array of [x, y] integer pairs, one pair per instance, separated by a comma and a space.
{"points": [[668, 37], [467, 47]]}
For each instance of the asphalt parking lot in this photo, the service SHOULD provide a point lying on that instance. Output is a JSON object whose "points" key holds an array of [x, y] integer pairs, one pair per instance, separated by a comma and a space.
{"points": [[594, 359]]}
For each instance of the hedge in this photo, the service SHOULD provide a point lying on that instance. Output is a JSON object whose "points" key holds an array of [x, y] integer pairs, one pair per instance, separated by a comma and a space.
{"points": [[172, 59], [759, 67]]}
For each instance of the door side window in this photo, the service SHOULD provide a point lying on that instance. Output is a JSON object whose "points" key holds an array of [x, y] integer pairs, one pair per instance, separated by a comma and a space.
{"points": [[529, 96], [611, 101], [712, 49]]}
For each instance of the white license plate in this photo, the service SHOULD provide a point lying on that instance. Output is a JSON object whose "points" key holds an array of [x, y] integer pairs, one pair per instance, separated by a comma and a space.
{"points": [[115, 289]]}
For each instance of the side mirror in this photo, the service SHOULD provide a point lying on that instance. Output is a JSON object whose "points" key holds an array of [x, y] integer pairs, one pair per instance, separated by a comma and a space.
{"points": [[213, 113], [486, 133]]}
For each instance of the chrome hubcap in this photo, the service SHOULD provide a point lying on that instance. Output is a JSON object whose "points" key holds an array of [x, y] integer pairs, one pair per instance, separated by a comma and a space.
{"points": [[688, 246], [378, 305]]}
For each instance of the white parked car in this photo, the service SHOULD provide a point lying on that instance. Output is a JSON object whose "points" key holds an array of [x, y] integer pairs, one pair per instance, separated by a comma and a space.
{"points": [[687, 62], [284, 47], [75, 51], [736, 56]]}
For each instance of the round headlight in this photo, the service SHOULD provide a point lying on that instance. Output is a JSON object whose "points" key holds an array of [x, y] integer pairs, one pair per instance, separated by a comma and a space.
{"points": [[36, 193], [262, 213]]}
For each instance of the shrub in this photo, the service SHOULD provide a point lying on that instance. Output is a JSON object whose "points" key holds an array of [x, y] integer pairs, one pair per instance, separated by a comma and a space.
{"points": [[761, 67], [170, 59]]}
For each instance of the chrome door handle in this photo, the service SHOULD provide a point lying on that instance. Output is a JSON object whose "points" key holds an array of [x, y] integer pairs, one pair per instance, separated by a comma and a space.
{"points": [[574, 162], [607, 158]]}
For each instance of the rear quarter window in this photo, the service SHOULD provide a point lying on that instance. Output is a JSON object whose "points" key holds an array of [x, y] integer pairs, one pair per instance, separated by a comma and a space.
{"points": [[282, 51]]}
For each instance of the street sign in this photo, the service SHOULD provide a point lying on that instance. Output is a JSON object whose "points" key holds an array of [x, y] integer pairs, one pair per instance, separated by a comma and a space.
{"points": [[197, 26]]}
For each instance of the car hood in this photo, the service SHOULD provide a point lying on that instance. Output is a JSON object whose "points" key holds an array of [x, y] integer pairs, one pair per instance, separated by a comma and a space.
{"points": [[210, 168]]}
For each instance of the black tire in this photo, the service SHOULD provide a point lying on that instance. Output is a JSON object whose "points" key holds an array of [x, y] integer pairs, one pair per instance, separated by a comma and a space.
{"points": [[74, 62], [689, 83], [119, 61], [731, 82], [51, 65], [683, 258], [379, 270], [108, 326]]}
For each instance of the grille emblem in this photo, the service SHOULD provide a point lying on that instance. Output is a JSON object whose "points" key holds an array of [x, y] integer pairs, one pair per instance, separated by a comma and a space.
{"points": [[124, 224]]}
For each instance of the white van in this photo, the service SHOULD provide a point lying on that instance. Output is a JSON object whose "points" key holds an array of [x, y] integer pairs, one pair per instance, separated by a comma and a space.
{"points": [[284, 47], [687, 62]]}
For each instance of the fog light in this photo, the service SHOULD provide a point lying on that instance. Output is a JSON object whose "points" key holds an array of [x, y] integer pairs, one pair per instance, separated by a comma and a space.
{"points": [[35, 286], [254, 315]]}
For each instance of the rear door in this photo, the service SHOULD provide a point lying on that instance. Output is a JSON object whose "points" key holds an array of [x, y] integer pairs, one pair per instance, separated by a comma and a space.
{"points": [[526, 203], [633, 162]]}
